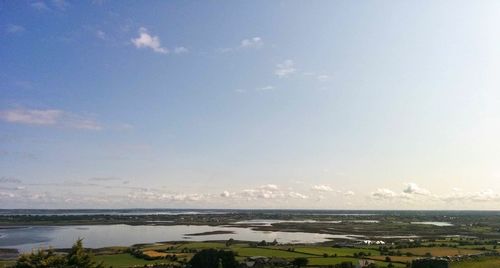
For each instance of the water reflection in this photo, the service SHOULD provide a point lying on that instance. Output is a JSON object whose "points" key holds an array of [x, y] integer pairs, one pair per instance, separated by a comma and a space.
{"points": [[95, 236]]}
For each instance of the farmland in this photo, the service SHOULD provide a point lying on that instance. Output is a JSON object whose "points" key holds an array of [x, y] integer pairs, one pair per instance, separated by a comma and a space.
{"points": [[393, 238]]}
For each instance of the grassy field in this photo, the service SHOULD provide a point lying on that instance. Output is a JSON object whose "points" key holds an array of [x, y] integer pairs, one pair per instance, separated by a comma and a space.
{"points": [[157, 246], [4, 264], [319, 261], [266, 252], [440, 251], [314, 253], [123, 260], [203, 245], [394, 258], [341, 252], [482, 263]]}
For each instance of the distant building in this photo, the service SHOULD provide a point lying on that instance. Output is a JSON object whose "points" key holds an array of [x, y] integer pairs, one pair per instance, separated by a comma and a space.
{"points": [[364, 263]]}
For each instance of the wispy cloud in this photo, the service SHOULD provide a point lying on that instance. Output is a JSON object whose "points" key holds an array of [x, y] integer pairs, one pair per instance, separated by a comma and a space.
{"points": [[104, 179], [267, 191], [60, 4], [40, 6], [240, 90], [265, 88], [247, 43], [49, 117], [101, 34], [481, 196], [413, 188], [146, 40], [260, 89], [384, 194], [180, 50], [285, 69], [31, 116], [413, 192], [14, 29], [9, 180], [322, 188], [255, 42], [349, 193]]}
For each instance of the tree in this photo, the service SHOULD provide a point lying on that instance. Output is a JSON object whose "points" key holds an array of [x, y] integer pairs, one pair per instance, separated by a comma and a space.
{"points": [[212, 258], [299, 262], [41, 259], [229, 242], [77, 257], [429, 263]]}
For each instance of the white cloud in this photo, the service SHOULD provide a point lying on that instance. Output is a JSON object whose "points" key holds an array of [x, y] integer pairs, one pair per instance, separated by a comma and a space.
{"points": [[40, 6], [265, 88], [100, 34], [247, 43], [349, 193], [180, 50], [297, 195], [157, 196], [271, 187], [31, 116], [48, 117], [322, 188], [105, 179], [383, 194], [255, 42], [13, 29], [481, 196], [83, 123], [225, 194], [6, 195], [145, 40], [9, 180], [413, 188], [285, 69], [413, 192], [268, 191]]}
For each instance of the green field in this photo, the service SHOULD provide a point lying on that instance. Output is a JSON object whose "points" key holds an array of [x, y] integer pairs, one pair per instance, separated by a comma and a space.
{"points": [[341, 252], [122, 260], [203, 245], [440, 251], [482, 263], [114, 256], [331, 261], [4, 264], [267, 252]]}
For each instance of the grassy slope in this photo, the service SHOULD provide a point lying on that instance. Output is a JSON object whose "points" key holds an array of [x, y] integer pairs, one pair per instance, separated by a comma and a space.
{"points": [[483, 263], [440, 251], [266, 252], [332, 261], [331, 251], [4, 264], [122, 260]]}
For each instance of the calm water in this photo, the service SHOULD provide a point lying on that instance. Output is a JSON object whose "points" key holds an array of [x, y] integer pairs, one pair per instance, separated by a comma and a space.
{"points": [[269, 222], [435, 223], [95, 236]]}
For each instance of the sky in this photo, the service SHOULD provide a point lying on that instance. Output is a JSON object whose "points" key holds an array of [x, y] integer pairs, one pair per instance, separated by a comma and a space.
{"points": [[250, 104]]}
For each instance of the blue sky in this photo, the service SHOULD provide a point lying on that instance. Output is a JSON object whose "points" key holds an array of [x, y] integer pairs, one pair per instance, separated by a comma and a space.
{"points": [[250, 104]]}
